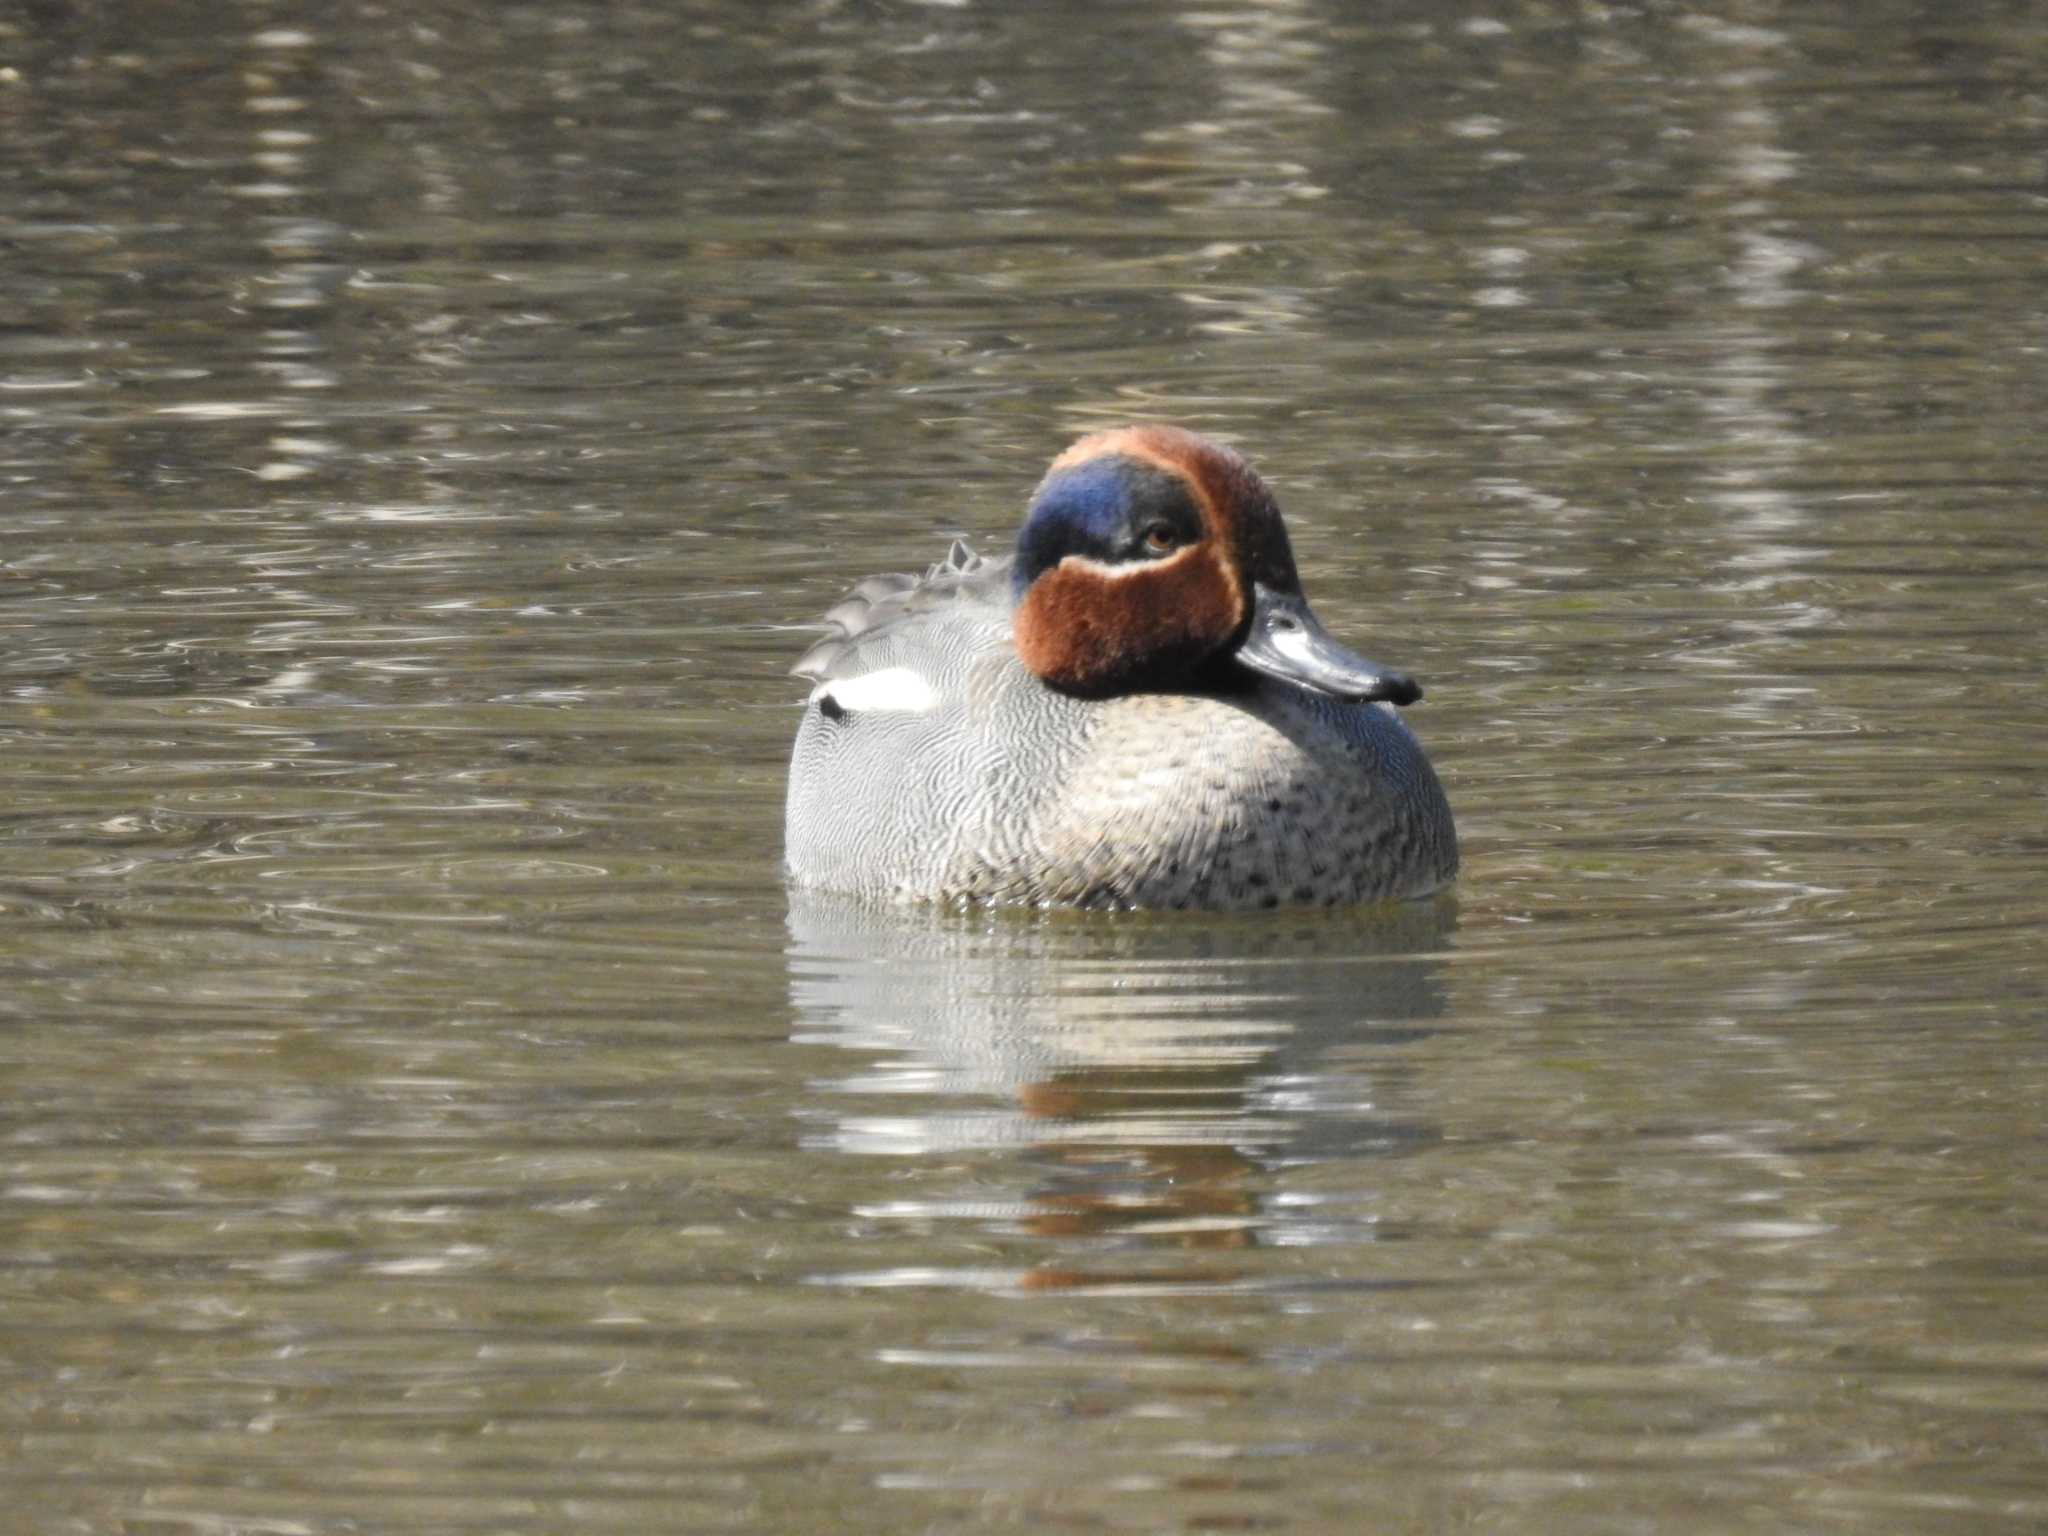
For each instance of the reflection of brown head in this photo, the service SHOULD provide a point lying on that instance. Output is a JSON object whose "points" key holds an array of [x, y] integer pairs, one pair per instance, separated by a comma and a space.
{"points": [[1200, 1196]]}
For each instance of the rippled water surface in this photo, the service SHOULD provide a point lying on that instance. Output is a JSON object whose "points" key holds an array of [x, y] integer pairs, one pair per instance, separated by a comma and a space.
{"points": [[423, 435]]}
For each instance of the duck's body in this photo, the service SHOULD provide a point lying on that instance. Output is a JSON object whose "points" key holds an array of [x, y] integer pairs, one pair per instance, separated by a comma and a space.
{"points": [[1115, 717]]}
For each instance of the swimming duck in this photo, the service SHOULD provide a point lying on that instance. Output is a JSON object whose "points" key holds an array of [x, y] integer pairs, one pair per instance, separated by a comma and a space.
{"points": [[1135, 709]]}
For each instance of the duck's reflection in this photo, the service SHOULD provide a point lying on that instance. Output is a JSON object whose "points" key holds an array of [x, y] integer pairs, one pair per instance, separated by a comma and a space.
{"points": [[1141, 1082]]}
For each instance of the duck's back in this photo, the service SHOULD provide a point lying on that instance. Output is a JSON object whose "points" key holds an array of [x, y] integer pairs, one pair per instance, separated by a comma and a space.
{"points": [[922, 738], [930, 764]]}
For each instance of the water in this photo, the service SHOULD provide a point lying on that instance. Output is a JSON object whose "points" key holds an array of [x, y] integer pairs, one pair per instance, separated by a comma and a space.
{"points": [[423, 436]]}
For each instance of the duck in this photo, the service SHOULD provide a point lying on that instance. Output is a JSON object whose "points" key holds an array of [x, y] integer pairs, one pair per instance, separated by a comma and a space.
{"points": [[1134, 709]]}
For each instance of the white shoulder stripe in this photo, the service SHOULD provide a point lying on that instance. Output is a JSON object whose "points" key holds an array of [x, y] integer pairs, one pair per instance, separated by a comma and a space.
{"points": [[900, 689]]}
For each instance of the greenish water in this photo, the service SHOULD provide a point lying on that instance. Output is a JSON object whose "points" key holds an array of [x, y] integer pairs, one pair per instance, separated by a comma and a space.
{"points": [[423, 436]]}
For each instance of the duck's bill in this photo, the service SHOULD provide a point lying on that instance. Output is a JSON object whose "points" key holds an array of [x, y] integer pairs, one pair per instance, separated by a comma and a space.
{"points": [[1286, 641]]}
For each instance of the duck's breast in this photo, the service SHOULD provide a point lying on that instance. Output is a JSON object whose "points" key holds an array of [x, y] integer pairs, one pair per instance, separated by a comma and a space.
{"points": [[1266, 798]]}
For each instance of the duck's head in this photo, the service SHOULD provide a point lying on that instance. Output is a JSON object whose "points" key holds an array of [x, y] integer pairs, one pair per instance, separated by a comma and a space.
{"points": [[1152, 558]]}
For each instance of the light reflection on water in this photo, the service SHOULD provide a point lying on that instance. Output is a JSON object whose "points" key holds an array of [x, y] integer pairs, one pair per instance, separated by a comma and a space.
{"points": [[1152, 1073], [422, 445]]}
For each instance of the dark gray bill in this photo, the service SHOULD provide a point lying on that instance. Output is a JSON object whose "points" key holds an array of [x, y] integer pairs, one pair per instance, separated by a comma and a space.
{"points": [[1286, 641]]}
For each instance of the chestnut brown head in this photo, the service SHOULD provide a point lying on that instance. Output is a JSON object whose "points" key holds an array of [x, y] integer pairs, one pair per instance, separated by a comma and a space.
{"points": [[1152, 558]]}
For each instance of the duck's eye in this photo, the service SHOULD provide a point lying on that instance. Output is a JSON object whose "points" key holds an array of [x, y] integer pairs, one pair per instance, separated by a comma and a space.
{"points": [[1159, 537]]}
